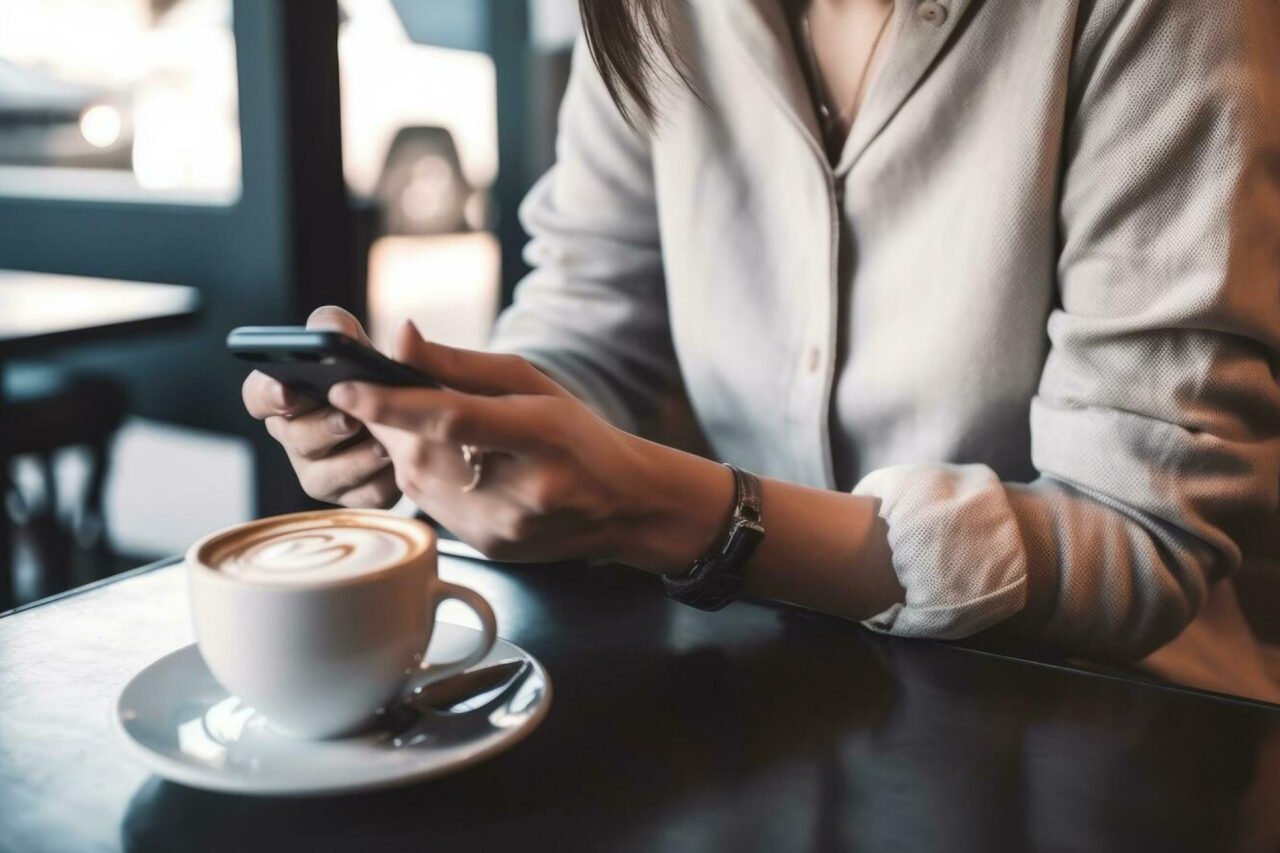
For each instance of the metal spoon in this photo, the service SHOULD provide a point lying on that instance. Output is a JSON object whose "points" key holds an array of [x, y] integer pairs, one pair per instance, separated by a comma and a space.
{"points": [[427, 717]]}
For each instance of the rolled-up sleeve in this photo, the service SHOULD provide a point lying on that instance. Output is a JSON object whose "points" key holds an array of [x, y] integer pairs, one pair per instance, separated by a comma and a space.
{"points": [[593, 312], [1156, 427]]}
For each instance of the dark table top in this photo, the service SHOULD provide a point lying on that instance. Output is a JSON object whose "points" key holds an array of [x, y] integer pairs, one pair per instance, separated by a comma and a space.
{"points": [[755, 728], [40, 310]]}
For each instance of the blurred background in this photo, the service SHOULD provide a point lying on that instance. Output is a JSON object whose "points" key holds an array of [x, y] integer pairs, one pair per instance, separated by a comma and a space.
{"points": [[170, 169]]}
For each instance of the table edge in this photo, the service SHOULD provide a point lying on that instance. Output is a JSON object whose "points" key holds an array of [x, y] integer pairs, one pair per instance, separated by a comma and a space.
{"points": [[163, 562], [168, 321]]}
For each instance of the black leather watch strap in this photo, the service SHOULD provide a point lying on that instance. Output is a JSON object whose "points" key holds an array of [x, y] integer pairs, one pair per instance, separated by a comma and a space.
{"points": [[716, 579]]}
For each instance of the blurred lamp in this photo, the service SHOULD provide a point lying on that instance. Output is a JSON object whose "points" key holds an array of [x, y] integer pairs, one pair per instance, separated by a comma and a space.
{"points": [[100, 125]]}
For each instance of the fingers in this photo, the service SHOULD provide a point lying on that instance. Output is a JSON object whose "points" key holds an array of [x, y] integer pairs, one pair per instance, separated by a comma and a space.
{"points": [[331, 318], [469, 370], [518, 422], [379, 492], [264, 397], [315, 434], [333, 457], [341, 472]]}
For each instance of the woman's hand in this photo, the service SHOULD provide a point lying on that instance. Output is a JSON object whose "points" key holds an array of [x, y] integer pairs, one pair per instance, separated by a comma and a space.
{"points": [[335, 458], [558, 481]]}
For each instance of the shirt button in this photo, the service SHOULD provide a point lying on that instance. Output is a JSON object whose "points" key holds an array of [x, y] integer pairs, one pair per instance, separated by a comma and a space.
{"points": [[814, 359], [932, 13]]}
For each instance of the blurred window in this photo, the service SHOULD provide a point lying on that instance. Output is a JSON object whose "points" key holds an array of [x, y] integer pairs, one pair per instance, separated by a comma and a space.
{"points": [[420, 143], [119, 99]]}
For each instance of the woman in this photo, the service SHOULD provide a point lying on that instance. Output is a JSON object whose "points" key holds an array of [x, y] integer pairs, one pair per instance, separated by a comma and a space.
{"points": [[987, 292]]}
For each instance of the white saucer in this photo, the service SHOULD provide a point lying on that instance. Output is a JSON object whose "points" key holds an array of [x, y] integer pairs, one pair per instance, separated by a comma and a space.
{"points": [[185, 727]]}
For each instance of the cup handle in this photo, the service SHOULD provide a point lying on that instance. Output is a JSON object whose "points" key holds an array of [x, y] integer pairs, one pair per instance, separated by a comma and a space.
{"points": [[429, 673]]}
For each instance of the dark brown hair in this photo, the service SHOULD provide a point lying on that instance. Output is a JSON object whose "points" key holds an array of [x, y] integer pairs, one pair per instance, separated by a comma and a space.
{"points": [[632, 45]]}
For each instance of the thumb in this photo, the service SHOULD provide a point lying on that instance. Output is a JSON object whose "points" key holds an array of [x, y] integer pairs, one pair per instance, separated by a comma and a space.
{"points": [[331, 318], [470, 371]]}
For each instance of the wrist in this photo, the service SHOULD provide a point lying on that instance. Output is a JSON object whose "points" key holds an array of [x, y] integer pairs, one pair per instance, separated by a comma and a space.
{"points": [[680, 507]]}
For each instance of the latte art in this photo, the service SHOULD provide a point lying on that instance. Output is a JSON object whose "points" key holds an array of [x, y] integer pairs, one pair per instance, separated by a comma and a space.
{"points": [[312, 555]]}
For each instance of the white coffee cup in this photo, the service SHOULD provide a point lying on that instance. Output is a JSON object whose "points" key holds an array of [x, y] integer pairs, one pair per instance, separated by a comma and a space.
{"points": [[319, 619]]}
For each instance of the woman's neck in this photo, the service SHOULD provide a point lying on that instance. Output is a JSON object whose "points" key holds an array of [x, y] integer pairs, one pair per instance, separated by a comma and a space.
{"points": [[846, 41]]}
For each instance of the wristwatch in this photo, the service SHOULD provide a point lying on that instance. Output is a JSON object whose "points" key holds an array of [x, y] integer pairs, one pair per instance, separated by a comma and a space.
{"points": [[716, 579]]}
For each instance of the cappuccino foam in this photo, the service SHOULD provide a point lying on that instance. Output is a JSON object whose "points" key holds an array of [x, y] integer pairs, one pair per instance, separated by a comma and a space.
{"points": [[310, 555]]}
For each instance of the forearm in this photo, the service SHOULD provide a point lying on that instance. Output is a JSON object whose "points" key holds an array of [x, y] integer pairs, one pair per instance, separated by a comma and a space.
{"points": [[823, 550]]}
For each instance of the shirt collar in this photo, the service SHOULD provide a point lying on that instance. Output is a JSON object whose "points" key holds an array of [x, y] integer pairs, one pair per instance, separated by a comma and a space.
{"points": [[763, 31]]}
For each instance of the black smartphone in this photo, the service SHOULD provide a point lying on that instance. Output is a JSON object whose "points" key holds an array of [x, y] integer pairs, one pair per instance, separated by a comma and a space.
{"points": [[311, 361]]}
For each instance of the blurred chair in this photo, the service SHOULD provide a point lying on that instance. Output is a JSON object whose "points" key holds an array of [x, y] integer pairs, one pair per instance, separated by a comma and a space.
{"points": [[47, 409]]}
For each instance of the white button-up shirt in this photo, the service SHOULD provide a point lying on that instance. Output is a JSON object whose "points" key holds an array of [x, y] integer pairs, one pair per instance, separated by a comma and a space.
{"points": [[1034, 308]]}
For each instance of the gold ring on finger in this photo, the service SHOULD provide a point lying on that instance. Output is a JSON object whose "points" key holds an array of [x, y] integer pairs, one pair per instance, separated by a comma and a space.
{"points": [[474, 457]]}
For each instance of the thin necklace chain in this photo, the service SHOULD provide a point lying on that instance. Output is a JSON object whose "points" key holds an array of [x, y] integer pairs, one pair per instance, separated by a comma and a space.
{"points": [[831, 112]]}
